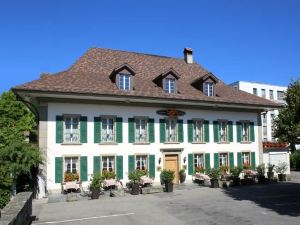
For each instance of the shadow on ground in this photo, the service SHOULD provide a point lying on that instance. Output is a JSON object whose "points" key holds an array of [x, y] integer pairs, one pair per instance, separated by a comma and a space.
{"points": [[283, 198]]}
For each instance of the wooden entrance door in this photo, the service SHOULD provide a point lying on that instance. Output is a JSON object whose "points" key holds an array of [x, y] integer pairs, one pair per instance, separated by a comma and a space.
{"points": [[171, 163]]}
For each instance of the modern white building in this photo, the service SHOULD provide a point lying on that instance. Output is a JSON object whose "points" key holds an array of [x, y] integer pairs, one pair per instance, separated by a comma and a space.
{"points": [[119, 111]]}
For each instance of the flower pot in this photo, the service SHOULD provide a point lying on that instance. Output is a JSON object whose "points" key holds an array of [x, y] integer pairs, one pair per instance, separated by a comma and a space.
{"points": [[282, 177], [95, 193], [182, 177], [236, 181], [135, 189], [214, 183], [270, 175], [261, 179], [169, 187]]}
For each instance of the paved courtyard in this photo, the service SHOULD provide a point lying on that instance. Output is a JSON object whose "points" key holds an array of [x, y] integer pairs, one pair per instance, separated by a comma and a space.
{"points": [[258, 204]]}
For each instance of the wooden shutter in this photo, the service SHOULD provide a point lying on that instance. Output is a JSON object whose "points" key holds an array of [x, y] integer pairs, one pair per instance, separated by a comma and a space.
{"points": [[152, 166], [97, 161], [190, 130], [230, 131], [239, 159], [252, 133], [216, 160], [83, 129], [59, 129], [151, 130], [180, 131], [190, 164], [97, 129], [131, 163], [238, 131], [58, 169], [231, 160], [119, 167], [162, 130], [253, 163], [119, 128], [216, 131], [207, 162], [83, 168], [206, 131], [131, 130]]}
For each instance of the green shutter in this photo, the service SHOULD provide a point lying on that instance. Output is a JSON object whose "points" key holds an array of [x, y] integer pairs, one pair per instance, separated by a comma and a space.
{"points": [[252, 133], [97, 126], [152, 166], [83, 129], [239, 159], [207, 162], [131, 163], [119, 167], [58, 169], [180, 131], [119, 127], [231, 160], [230, 131], [162, 130], [131, 130], [59, 129], [97, 161], [83, 168], [151, 130], [216, 160], [190, 164], [206, 131], [190, 130], [253, 164], [238, 131], [216, 131]]}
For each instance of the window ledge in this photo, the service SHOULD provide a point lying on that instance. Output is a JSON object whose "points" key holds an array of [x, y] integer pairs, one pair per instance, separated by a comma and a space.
{"points": [[144, 143], [71, 143], [108, 143], [198, 142], [245, 142], [227, 142], [172, 143]]}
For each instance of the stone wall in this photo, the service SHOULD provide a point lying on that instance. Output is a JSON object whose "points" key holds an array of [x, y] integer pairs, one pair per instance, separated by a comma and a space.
{"points": [[18, 211]]}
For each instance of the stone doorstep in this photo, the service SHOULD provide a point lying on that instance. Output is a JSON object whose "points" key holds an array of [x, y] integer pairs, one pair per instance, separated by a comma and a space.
{"points": [[71, 197], [151, 190]]}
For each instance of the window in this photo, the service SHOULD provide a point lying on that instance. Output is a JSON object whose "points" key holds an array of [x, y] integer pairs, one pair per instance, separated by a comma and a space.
{"points": [[141, 134], [108, 130], [198, 133], [171, 130], [124, 82], [223, 137], [209, 89], [265, 132], [141, 162], [280, 95], [71, 129], [71, 165], [223, 159], [198, 161], [170, 85], [108, 163], [263, 93], [245, 129], [271, 94], [245, 159], [255, 91]]}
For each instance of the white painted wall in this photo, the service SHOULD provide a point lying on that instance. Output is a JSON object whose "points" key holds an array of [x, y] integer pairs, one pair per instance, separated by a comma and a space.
{"points": [[90, 149], [274, 157]]}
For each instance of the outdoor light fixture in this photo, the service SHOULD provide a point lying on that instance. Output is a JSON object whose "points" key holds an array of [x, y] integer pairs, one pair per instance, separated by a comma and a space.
{"points": [[159, 160], [184, 159]]}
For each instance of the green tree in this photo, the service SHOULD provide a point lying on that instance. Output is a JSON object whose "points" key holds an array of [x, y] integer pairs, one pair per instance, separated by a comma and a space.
{"points": [[287, 123]]}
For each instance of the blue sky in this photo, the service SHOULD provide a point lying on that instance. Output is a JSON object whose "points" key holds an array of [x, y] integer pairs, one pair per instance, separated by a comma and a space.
{"points": [[234, 39]]}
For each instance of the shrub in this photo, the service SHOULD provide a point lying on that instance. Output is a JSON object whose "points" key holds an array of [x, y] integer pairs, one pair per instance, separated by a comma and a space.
{"points": [[261, 169], [167, 176], [214, 174], [4, 197], [235, 171], [135, 176], [281, 168], [96, 181], [108, 175], [295, 160], [270, 168]]}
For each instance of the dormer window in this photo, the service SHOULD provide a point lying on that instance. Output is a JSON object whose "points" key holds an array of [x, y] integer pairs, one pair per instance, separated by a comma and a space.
{"points": [[124, 82], [169, 85], [209, 89], [206, 84], [122, 76]]}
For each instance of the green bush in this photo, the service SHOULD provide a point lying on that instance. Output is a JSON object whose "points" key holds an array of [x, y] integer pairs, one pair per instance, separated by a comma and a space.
{"points": [[96, 181], [214, 174], [135, 176], [260, 169], [235, 171], [295, 160], [167, 176], [4, 197]]}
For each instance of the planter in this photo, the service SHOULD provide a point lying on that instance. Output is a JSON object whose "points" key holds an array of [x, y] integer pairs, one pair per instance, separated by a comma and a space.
{"points": [[95, 193], [135, 189], [270, 175], [214, 183], [282, 177], [261, 179], [236, 181], [169, 187], [182, 177]]}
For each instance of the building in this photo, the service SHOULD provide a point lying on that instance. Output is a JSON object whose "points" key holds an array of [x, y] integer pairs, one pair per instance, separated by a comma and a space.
{"points": [[118, 110], [272, 155]]}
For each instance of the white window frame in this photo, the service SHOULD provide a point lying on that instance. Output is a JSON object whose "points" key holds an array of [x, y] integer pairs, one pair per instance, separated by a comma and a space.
{"points": [[167, 85], [223, 157], [107, 159], [77, 165], [209, 89], [245, 131], [271, 93], [143, 159], [198, 134], [169, 133], [246, 155], [223, 133], [107, 118], [254, 91], [139, 132], [263, 93], [122, 82], [72, 133], [199, 160]]}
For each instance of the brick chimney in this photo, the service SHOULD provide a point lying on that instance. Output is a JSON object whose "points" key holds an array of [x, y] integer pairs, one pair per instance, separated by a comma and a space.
{"points": [[188, 55]]}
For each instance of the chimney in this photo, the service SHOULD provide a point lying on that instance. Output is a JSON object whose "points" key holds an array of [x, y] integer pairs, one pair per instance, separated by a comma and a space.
{"points": [[188, 55]]}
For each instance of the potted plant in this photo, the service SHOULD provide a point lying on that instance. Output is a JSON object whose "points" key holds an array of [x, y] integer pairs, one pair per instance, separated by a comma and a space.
{"points": [[199, 169], [107, 175], [260, 169], [280, 169], [167, 177], [96, 185], [235, 172], [135, 177], [270, 172], [214, 177], [182, 175], [69, 177]]}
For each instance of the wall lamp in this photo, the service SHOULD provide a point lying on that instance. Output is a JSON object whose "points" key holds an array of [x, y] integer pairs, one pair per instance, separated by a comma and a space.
{"points": [[184, 159], [159, 160]]}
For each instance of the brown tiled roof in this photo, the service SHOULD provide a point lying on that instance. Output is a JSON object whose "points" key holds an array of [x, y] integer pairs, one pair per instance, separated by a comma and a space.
{"points": [[90, 75]]}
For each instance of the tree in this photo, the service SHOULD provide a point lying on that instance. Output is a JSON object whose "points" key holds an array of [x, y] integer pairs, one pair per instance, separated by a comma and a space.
{"points": [[287, 123]]}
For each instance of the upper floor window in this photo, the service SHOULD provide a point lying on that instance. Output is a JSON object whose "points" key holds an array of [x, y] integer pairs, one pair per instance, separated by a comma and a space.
{"points": [[209, 89], [124, 82], [271, 94], [245, 126], [198, 134], [171, 130], [108, 129], [198, 161], [141, 162], [141, 134], [280, 95], [223, 159], [169, 85], [108, 163], [263, 93], [223, 131], [71, 129], [255, 91]]}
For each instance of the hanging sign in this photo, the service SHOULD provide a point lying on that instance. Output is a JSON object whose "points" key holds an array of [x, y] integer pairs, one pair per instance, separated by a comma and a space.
{"points": [[170, 112]]}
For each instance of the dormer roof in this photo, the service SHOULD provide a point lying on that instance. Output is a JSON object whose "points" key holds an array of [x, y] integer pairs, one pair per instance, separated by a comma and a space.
{"points": [[123, 68]]}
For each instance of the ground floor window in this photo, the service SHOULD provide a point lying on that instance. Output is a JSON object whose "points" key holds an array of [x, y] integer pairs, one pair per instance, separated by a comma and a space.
{"points": [[246, 160], [141, 162], [108, 163], [223, 159], [71, 168], [199, 162]]}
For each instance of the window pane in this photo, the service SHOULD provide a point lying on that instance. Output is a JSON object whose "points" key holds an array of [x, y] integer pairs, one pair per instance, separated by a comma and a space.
{"points": [[169, 85]]}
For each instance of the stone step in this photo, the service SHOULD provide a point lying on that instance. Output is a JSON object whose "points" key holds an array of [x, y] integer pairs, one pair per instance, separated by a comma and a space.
{"points": [[152, 189]]}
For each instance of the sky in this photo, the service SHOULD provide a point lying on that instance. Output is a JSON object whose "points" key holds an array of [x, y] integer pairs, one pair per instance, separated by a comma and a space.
{"points": [[253, 40]]}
